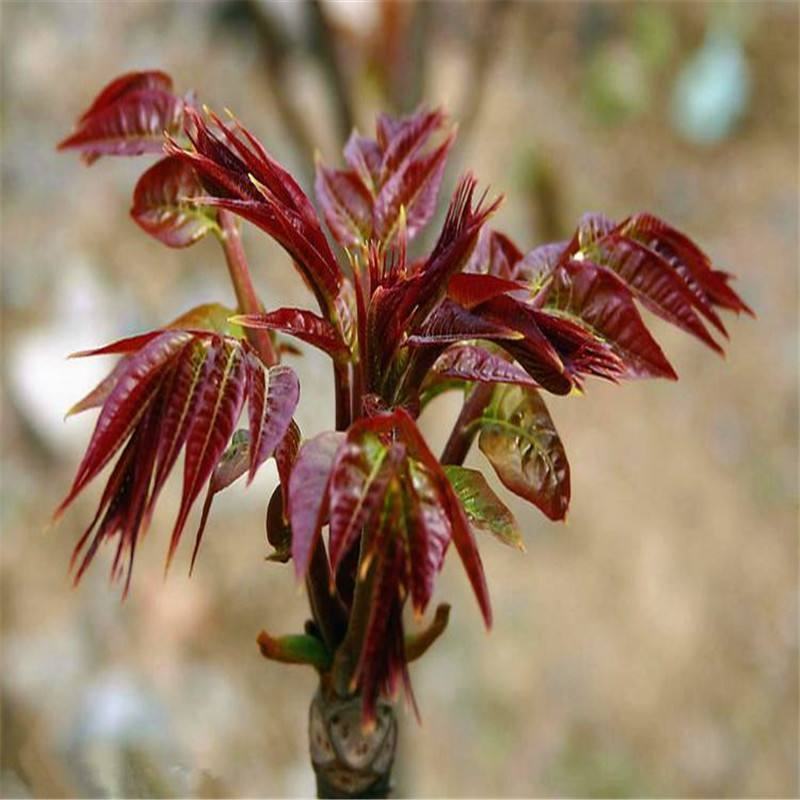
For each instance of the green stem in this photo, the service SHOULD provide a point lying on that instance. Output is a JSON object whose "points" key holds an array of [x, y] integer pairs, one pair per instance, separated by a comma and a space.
{"points": [[246, 297], [463, 433]]}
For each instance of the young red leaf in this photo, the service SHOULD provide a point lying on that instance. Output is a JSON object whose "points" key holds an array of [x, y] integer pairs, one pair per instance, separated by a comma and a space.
{"points": [[596, 298], [391, 183], [242, 177], [208, 317], [187, 376], [131, 125], [539, 264], [428, 531], [364, 156], [346, 204], [462, 536], [382, 653], [449, 323], [270, 411], [309, 492], [532, 349], [135, 388], [401, 138], [100, 393], [285, 455], [653, 281], [272, 180], [472, 363], [485, 510], [359, 479], [123, 501], [470, 290], [458, 236], [302, 324], [591, 228], [495, 254], [231, 466], [126, 84], [130, 344], [581, 351], [710, 286], [110, 508], [163, 207], [411, 191], [219, 403]]}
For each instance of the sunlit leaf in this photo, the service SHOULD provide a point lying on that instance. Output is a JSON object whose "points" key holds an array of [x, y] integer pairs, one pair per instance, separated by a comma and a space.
{"points": [[596, 298], [125, 84], [302, 324], [472, 363], [485, 510], [359, 479], [133, 124], [519, 439]]}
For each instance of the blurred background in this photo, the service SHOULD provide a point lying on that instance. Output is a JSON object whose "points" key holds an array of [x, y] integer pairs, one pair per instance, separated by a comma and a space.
{"points": [[648, 647]]}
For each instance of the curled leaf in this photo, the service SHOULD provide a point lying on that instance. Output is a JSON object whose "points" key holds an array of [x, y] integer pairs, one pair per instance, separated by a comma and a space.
{"points": [[295, 649], [163, 204], [416, 645], [521, 442], [129, 121]]}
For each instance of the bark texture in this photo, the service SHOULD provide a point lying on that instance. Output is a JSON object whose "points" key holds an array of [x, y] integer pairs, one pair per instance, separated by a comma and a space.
{"points": [[349, 761]]}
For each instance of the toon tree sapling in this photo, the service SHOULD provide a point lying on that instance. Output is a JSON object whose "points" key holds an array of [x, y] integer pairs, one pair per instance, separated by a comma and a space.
{"points": [[476, 315]]}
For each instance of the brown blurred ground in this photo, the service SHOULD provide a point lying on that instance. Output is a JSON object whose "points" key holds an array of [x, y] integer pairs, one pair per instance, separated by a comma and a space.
{"points": [[648, 648]]}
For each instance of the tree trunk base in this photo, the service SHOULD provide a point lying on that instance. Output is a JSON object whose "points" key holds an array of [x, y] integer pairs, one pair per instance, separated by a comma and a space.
{"points": [[348, 761]]}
